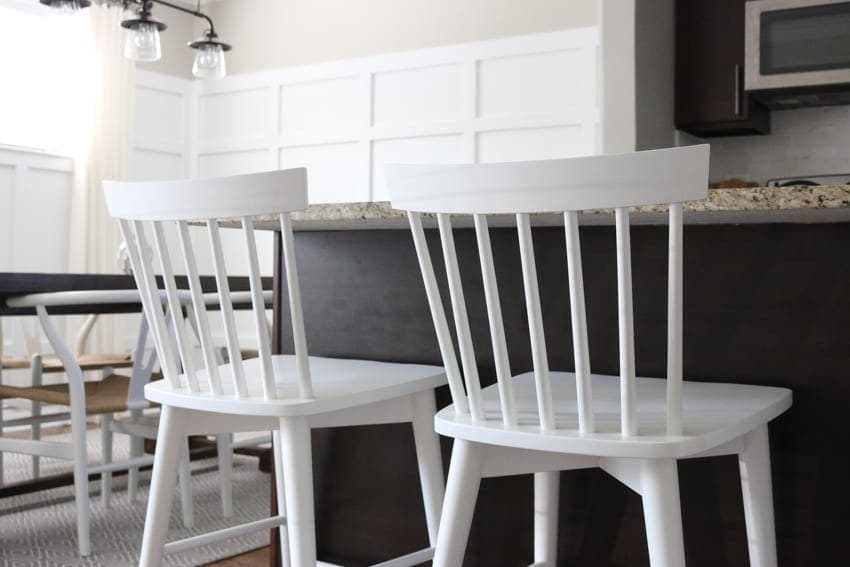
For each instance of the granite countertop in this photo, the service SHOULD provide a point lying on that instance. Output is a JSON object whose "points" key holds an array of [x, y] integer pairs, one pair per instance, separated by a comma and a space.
{"points": [[723, 206]]}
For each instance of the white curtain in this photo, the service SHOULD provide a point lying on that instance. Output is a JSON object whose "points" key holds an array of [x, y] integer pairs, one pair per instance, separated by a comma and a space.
{"points": [[104, 153]]}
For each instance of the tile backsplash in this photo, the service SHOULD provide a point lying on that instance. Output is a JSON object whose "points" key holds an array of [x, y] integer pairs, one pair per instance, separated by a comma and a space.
{"points": [[802, 142]]}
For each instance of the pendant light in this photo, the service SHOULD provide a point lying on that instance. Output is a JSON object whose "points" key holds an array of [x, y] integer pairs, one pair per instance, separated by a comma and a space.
{"points": [[209, 59], [143, 42]]}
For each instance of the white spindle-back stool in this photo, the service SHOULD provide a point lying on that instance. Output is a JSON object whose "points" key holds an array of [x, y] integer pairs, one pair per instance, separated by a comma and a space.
{"points": [[542, 421], [288, 394]]}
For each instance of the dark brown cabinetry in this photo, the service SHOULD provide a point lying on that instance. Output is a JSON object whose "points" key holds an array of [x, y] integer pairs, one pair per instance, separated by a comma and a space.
{"points": [[710, 96]]}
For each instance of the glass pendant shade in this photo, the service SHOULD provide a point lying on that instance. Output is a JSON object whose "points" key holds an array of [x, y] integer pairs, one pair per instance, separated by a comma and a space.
{"points": [[209, 62], [142, 42]]}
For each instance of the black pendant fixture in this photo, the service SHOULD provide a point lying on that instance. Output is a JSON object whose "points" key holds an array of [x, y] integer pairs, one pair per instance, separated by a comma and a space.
{"points": [[143, 41]]}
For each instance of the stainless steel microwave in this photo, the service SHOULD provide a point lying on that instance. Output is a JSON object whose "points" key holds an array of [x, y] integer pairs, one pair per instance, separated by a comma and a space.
{"points": [[797, 52]]}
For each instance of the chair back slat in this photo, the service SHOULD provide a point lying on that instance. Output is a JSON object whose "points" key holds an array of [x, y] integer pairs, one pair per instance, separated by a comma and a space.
{"points": [[299, 336], [578, 319], [438, 314], [464, 336], [175, 308], [218, 209], [134, 235], [658, 177], [258, 311], [626, 332], [199, 309], [497, 327], [535, 323], [226, 307], [674, 321]]}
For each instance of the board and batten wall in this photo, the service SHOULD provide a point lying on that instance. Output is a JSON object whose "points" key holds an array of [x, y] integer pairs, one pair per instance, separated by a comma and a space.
{"points": [[525, 97]]}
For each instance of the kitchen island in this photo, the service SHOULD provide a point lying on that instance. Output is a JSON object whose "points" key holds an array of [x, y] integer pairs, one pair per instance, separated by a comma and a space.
{"points": [[766, 278]]}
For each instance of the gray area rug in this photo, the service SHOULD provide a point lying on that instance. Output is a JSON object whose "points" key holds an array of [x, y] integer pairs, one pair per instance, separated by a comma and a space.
{"points": [[40, 528]]}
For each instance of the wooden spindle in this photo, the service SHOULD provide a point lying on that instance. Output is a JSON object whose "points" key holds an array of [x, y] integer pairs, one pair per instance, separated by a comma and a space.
{"points": [[628, 417], [674, 322], [299, 336], [464, 336], [259, 310], [578, 318], [438, 314], [199, 308], [226, 306], [143, 270], [535, 323], [175, 307], [494, 317]]}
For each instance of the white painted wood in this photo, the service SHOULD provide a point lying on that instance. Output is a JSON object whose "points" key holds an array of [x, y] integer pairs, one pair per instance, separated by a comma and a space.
{"points": [[632, 427], [535, 323], [168, 447], [594, 182], [662, 513], [547, 492], [754, 460], [184, 481], [467, 353], [288, 393], [223, 534], [461, 493], [298, 471], [280, 494], [305, 386], [430, 460], [578, 319], [438, 314], [626, 330], [674, 322], [494, 317]]}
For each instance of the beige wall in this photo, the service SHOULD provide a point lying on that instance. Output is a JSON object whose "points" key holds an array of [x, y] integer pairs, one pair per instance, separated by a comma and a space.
{"points": [[268, 34], [177, 57]]}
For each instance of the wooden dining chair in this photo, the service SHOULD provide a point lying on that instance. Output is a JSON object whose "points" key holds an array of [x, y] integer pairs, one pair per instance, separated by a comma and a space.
{"points": [[286, 394], [543, 422]]}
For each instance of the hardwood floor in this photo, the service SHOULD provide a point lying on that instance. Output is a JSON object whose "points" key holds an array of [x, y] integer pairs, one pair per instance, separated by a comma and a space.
{"points": [[250, 559]]}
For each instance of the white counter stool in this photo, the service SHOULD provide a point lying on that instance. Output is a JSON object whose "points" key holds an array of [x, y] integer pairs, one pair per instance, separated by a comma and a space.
{"points": [[544, 422], [288, 394]]}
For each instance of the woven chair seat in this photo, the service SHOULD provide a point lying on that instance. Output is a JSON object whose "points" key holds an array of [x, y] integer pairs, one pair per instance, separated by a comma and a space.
{"points": [[103, 396], [51, 364]]}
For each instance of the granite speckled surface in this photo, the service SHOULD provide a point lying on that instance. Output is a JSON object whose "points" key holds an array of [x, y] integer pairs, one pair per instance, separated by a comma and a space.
{"points": [[744, 205]]}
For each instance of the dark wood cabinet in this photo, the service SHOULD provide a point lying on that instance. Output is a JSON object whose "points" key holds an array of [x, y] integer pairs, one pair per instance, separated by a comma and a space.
{"points": [[710, 96]]}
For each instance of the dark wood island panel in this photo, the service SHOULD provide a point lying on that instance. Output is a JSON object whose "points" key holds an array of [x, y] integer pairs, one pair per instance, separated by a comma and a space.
{"points": [[764, 304]]}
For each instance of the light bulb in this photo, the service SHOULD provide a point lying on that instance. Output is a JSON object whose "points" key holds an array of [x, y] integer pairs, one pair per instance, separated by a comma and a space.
{"points": [[142, 42], [66, 7], [209, 62]]}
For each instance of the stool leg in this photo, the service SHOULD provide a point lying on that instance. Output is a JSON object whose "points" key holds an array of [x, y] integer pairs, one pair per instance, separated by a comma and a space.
{"points": [[659, 484], [459, 505], [184, 478], [106, 450], [757, 488], [37, 374], [546, 499], [169, 443], [280, 492], [430, 460], [137, 447], [225, 472], [297, 453]]}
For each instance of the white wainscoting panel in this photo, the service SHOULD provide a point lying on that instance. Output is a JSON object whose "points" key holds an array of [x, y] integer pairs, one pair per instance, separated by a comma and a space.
{"points": [[527, 97]]}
